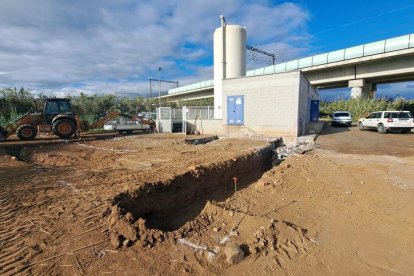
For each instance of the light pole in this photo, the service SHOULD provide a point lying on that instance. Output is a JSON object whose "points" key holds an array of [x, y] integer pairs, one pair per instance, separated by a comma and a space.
{"points": [[159, 86], [159, 99]]}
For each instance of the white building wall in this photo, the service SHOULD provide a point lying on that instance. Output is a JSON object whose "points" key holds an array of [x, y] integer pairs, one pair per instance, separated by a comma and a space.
{"points": [[274, 105], [211, 126], [270, 104], [306, 94]]}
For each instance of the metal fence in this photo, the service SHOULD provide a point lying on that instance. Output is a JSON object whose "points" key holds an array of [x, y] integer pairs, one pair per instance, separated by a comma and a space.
{"points": [[165, 113], [202, 112], [176, 114]]}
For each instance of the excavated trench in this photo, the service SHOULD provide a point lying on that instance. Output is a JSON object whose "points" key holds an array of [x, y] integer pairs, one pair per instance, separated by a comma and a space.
{"points": [[167, 206]]}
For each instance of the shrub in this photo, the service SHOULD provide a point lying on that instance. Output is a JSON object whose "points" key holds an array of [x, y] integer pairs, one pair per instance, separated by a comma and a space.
{"points": [[360, 108]]}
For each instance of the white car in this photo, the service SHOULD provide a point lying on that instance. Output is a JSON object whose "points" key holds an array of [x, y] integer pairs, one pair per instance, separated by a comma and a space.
{"points": [[341, 118], [387, 120]]}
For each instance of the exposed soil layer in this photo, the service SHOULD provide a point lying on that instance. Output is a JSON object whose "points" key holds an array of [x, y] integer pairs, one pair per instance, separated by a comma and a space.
{"points": [[169, 205]]}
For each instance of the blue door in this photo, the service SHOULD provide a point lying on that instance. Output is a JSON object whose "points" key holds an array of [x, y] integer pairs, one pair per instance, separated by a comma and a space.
{"points": [[314, 111], [235, 110]]}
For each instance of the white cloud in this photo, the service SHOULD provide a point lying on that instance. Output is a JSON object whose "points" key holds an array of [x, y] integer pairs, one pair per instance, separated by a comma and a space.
{"points": [[103, 45]]}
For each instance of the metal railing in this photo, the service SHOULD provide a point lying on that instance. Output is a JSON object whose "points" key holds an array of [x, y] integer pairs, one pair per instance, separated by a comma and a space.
{"points": [[368, 49], [202, 112]]}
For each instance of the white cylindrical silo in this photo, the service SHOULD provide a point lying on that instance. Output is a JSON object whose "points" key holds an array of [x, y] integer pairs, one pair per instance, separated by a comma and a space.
{"points": [[229, 59], [230, 62], [235, 51]]}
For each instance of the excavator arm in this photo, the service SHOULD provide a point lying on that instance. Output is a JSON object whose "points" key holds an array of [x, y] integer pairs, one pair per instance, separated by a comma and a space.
{"points": [[104, 119], [112, 115]]}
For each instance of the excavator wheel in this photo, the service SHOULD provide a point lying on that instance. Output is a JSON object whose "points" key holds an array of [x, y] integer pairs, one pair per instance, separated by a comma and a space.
{"points": [[26, 132], [64, 128]]}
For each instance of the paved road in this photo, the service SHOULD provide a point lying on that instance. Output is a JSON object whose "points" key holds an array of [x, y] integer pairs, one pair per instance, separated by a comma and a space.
{"points": [[352, 140]]}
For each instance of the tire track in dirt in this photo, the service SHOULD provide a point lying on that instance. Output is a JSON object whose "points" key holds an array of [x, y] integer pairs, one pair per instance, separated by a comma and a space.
{"points": [[38, 209], [13, 252]]}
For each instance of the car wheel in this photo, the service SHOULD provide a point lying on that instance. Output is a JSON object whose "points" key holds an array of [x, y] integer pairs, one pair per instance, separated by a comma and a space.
{"points": [[361, 126], [350, 124], [381, 129]]}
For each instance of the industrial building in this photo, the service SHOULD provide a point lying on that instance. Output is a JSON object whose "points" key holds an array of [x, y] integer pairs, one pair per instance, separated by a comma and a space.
{"points": [[271, 105]]}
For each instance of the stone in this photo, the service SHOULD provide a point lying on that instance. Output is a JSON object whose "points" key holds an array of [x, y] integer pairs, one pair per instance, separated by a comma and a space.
{"points": [[158, 236], [126, 243], [141, 243], [127, 230], [141, 224], [234, 254], [129, 217], [143, 237], [115, 210], [14, 158], [253, 249], [116, 241], [215, 229], [112, 220]]}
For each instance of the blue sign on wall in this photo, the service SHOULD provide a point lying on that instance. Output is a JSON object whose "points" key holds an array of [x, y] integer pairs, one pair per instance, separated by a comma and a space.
{"points": [[235, 110], [314, 111]]}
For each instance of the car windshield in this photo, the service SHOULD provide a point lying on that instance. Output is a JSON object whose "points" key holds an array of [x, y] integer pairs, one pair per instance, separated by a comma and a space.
{"points": [[342, 114]]}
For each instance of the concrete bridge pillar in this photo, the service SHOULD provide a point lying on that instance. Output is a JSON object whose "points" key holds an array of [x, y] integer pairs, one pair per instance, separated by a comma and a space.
{"points": [[362, 89]]}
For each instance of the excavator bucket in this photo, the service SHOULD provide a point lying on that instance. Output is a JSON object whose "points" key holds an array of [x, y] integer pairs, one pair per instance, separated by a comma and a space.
{"points": [[3, 134]]}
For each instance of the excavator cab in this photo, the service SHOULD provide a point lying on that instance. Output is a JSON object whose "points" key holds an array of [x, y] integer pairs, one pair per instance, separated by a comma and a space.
{"points": [[54, 107]]}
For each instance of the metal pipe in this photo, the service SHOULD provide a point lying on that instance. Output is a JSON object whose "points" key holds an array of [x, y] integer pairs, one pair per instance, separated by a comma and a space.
{"points": [[159, 98], [223, 45]]}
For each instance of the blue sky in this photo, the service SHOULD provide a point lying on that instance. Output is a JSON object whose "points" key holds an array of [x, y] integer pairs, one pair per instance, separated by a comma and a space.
{"points": [[103, 46]]}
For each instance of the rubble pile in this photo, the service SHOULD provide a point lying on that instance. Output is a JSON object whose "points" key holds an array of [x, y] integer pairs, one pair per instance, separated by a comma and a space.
{"points": [[301, 147], [126, 231], [279, 236]]}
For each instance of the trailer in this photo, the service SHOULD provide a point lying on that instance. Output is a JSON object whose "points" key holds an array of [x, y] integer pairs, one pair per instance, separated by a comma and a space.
{"points": [[123, 125]]}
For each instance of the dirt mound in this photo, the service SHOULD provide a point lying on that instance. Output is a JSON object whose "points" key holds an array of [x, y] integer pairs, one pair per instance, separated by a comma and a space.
{"points": [[125, 231]]}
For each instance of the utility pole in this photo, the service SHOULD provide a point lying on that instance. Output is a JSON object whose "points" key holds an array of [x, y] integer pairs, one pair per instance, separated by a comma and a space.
{"points": [[159, 98], [159, 87]]}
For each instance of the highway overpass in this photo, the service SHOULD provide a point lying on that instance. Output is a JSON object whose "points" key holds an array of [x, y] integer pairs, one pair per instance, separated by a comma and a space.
{"points": [[360, 68]]}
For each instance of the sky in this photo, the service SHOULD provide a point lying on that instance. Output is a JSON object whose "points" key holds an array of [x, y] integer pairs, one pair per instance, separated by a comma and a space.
{"points": [[63, 47]]}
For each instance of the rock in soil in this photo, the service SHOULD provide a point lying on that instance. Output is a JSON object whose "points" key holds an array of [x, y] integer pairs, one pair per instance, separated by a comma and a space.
{"points": [[116, 241], [234, 254]]}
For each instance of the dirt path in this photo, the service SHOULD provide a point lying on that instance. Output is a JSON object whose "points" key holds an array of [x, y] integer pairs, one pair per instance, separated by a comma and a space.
{"points": [[341, 209]]}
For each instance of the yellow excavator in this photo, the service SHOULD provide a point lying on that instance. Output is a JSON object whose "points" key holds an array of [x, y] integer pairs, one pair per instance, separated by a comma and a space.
{"points": [[58, 117]]}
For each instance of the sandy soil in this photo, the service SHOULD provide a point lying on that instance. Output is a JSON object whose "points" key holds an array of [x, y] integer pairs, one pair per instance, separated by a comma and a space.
{"points": [[344, 208]]}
